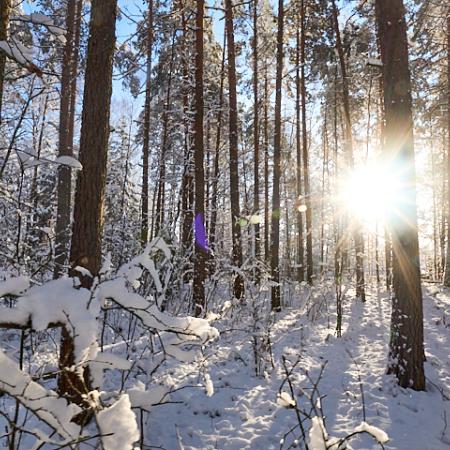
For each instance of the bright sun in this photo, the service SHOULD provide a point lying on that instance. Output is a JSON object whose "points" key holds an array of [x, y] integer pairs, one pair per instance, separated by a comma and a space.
{"points": [[369, 192]]}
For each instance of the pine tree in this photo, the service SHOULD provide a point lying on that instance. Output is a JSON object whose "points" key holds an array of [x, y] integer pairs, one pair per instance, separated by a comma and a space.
{"points": [[5, 7], [276, 205], [238, 288], [406, 345], [146, 125], [356, 228], [87, 230], [200, 233], [447, 258], [66, 125]]}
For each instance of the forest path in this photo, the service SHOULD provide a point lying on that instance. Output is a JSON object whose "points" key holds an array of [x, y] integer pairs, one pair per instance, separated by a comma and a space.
{"points": [[244, 414]]}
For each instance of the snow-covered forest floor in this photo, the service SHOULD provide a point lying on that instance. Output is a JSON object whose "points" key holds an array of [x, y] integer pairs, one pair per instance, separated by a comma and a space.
{"points": [[243, 413], [238, 395]]}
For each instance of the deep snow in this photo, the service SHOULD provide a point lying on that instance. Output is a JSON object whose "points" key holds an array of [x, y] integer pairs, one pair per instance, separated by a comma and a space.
{"points": [[243, 413]]}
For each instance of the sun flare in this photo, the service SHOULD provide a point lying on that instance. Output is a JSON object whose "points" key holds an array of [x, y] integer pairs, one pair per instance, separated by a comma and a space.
{"points": [[369, 192]]}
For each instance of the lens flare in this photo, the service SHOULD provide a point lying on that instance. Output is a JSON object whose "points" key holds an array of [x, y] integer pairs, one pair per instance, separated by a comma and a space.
{"points": [[370, 192]]}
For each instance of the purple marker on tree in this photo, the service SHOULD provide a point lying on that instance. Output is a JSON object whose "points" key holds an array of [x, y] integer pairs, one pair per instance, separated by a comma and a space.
{"points": [[200, 232]]}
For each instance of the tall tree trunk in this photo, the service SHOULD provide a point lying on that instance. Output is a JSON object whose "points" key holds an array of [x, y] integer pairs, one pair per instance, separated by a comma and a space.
{"points": [[445, 200], [62, 231], [325, 175], [161, 194], [200, 234], [443, 216], [435, 271], [356, 229], [377, 255], [74, 71], [238, 288], [300, 238], [447, 258], [213, 224], [88, 214], [187, 200], [308, 203], [387, 236], [123, 197], [406, 345], [257, 238], [266, 168], [287, 230], [276, 212], [146, 128], [34, 194], [207, 150], [5, 9]]}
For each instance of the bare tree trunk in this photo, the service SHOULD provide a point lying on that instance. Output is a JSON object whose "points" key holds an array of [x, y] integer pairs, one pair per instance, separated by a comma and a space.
{"points": [[443, 215], [287, 265], [377, 255], [300, 238], [388, 258], [266, 168], [308, 203], [435, 271], [207, 150], [213, 224], [187, 194], [34, 194], [447, 258], [123, 196], [74, 71], [200, 234], [339, 254], [146, 128], [325, 174], [89, 198], [257, 238], [357, 232], [238, 289], [5, 9], [161, 194], [445, 201], [387, 236], [406, 345], [276, 211], [62, 231]]}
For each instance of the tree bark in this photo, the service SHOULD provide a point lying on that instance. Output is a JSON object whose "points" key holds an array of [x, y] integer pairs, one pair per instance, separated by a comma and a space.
{"points": [[146, 128], [276, 212], [266, 169], [300, 237], [356, 229], [213, 224], [188, 174], [74, 71], [161, 195], [406, 345], [325, 175], [200, 233], [5, 9], [447, 258], [257, 238], [238, 287], [308, 203], [62, 231], [89, 198]]}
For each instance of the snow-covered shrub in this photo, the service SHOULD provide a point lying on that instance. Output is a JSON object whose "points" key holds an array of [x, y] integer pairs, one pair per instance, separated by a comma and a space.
{"points": [[63, 303], [260, 323], [310, 432]]}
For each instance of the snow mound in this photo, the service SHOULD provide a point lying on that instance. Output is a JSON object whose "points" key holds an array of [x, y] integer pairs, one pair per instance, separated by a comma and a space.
{"points": [[118, 425]]}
